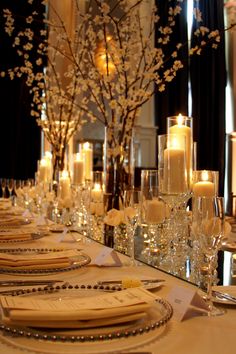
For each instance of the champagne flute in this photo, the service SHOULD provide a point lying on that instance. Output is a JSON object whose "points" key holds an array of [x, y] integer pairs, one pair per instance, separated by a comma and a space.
{"points": [[208, 226], [132, 210]]}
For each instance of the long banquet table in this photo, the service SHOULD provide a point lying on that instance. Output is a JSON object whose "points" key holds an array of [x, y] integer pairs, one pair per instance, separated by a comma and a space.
{"points": [[198, 334]]}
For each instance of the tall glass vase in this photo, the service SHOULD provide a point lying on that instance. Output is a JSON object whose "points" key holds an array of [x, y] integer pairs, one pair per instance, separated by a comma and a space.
{"points": [[118, 171]]}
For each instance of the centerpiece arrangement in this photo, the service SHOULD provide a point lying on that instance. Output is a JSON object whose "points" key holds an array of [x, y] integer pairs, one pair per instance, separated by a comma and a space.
{"points": [[105, 68]]}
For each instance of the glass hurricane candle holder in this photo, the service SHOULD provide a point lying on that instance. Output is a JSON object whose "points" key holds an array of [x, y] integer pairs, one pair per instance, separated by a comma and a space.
{"points": [[183, 125], [205, 183], [153, 214]]}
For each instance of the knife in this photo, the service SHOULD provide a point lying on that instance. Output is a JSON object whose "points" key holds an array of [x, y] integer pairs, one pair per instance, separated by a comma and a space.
{"points": [[29, 282], [107, 282], [224, 296]]}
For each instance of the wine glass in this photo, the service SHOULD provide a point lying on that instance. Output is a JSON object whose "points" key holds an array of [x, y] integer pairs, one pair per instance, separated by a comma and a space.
{"points": [[208, 226], [10, 186], [3, 186], [132, 209]]}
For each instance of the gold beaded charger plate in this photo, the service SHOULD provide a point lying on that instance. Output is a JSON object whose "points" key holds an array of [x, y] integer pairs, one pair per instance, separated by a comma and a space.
{"points": [[105, 339], [19, 237], [60, 260]]}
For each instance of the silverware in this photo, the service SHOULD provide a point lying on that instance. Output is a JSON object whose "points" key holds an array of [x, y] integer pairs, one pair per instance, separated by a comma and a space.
{"points": [[225, 296], [29, 282], [143, 281]]}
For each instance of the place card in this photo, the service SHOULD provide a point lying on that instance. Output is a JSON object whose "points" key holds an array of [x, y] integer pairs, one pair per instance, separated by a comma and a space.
{"points": [[41, 221], [186, 303], [66, 232], [104, 254]]}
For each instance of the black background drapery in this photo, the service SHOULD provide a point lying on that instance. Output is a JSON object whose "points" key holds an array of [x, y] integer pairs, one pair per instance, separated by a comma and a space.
{"points": [[207, 73], [174, 99], [208, 81], [20, 134]]}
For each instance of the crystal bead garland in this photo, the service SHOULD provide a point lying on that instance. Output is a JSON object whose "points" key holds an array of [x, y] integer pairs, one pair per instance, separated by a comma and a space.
{"points": [[118, 172]]}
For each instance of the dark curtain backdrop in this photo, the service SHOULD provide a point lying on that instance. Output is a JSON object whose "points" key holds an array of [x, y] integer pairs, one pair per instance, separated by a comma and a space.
{"points": [[208, 80], [20, 135], [174, 99], [207, 73]]}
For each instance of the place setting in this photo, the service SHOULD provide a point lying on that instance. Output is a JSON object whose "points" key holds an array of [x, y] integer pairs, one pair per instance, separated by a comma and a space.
{"points": [[66, 317], [41, 261]]}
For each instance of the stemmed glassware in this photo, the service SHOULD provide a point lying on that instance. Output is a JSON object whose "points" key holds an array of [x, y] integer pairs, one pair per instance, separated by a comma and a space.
{"points": [[132, 208], [10, 186], [208, 227], [3, 186]]}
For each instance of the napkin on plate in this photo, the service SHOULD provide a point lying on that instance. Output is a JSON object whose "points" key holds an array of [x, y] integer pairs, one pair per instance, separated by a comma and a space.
{"points": [[12, 234], [30, 261], [102, 310]]}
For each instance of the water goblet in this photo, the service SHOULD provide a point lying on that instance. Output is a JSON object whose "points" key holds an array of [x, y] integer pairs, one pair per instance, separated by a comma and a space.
{"points": [[208, 226], [132, 209], [3, 186], [10, 186]]}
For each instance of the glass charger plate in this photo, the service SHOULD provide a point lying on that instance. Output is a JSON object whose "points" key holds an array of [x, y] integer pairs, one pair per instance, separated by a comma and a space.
{"points": [[90, 340], [11, 225], [33, 236], [231, 290], [76, 262]]}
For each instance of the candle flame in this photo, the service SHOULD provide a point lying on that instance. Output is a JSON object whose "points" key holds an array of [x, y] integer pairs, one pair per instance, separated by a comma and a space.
{"points": [[97, 187], [65, 174], [43, 162], [78, 157], [205, 176], [86, 145], [48, 154], [180, 119]]}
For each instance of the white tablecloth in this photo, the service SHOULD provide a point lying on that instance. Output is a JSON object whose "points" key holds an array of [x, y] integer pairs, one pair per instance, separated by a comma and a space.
{"points": [[196, 335]]}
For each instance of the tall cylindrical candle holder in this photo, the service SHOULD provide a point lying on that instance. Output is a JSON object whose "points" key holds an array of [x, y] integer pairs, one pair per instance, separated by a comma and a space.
{"points": [[87, 152], [78, 169], [183, 125], [205, 183]]}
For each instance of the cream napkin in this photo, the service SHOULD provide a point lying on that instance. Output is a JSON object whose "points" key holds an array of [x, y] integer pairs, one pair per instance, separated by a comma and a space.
{"points": [[13, 234], [29, 261], [102, 310]]}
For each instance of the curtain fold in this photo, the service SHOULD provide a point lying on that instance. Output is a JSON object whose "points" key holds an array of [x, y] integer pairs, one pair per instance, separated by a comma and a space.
{"points": [[20, 134], [174, 99], [208, 82]]}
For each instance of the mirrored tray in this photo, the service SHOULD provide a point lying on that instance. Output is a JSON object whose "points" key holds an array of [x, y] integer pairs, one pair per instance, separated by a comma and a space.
{"points": [[157, 316], [78, 261]]}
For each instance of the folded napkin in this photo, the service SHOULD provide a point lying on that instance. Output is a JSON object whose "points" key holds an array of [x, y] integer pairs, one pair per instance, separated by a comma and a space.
{"points": [[11, 235], [102, 310], [52, 260], [11, 221]]}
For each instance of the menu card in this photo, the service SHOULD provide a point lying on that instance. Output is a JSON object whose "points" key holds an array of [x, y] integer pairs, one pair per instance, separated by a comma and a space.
{"points": [[106, 308]]}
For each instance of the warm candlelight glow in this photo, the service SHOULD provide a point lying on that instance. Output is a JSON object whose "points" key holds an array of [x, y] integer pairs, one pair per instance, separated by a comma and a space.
{"points": [[180, 119], [65, 174], [204, 176]]}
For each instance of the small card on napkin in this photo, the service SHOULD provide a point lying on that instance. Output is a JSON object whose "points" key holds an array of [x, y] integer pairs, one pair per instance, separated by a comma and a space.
{"points": [[186, 303]]}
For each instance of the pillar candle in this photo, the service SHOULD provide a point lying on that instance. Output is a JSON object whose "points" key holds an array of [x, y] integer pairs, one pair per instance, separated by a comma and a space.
{"points": [[44, 170], [204, 189], [96, 193], [78, 170], [88, 161], [174, 171], [155, 211], [181, 129], [65, 185]]}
